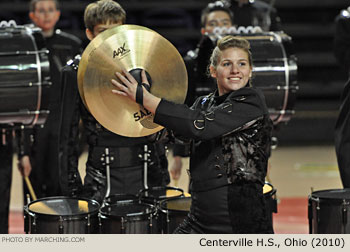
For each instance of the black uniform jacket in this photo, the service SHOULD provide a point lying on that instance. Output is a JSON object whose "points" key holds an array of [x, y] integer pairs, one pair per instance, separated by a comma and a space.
{"points": [[342, 137], [231, 136], [341, 45]]}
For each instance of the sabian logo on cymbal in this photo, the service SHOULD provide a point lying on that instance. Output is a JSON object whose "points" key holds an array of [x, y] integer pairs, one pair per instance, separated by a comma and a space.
{"points": [[120, 52]]}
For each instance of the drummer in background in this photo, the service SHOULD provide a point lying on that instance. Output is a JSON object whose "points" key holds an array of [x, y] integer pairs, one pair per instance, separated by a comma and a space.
{"points": [[215, 14], [342, 127], [38, 155], [126, 167], [231, 134], [255, 13]]}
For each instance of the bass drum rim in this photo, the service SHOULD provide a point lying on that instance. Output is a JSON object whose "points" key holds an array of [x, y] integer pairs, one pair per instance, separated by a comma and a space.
{"points": [[94, 203]]}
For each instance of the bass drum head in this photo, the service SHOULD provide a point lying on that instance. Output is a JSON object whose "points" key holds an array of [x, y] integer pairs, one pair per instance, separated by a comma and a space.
{"points": [[329, 211]]}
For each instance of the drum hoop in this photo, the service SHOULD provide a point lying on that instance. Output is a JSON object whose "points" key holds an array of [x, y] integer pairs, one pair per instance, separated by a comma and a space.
{"points": [[318, 198], [132, 216], [173, 211], [69, 216], [272, 191], [38, 106], [141, 193]]}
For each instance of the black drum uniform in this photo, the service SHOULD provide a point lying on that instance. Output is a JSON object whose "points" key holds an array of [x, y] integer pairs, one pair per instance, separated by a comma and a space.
{"points": [[41, 144], [125, 153], [228, 163], [342, 39], [6, 151], [342, 137], [342, 129]]}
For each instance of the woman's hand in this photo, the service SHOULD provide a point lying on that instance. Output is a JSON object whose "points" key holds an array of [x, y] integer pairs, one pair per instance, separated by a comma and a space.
{"points": [[128, 85]]}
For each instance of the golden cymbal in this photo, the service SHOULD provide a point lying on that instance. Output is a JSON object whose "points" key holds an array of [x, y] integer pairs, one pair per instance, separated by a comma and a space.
{"points": [[129, 47], [92, 45]]}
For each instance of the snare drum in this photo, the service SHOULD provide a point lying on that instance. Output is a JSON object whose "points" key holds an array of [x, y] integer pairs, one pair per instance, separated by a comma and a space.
{"points": [[329, 212], [172, 212], [25, 76], [62, 215], [127, 217], [274, 72]]}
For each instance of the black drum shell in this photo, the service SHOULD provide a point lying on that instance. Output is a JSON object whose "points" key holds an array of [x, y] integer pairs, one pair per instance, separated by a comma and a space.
{"points": [[73, 221], [169, 217], [25, 77], [329, 211], [127, 217]]}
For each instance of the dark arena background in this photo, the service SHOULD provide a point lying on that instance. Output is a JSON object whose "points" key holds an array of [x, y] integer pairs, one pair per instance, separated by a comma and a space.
{"points": [[304, 159]]}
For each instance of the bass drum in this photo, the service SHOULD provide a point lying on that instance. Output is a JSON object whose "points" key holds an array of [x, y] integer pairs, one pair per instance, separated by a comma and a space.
{"points": [[24, 77], [275, 72]]}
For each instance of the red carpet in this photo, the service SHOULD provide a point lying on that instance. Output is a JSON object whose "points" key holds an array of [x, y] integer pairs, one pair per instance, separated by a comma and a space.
{"points": [[290, 219]]}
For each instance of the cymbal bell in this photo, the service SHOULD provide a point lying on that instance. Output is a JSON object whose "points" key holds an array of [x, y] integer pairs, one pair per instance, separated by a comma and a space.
{"points": [[95, 43], [129, 47]]}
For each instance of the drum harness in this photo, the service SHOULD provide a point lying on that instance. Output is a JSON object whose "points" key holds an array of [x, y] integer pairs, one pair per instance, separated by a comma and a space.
{"points": [[107, 159]]}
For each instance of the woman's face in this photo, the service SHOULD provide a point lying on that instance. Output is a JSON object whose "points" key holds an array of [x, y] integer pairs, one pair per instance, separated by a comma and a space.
{"points": [[233, 70]]}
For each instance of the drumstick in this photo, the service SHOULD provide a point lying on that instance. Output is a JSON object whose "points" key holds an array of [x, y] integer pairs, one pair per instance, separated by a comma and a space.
{"points": [[30, 188], [176, 182]]}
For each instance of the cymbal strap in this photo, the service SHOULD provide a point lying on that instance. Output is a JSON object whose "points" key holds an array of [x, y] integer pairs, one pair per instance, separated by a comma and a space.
{"points": [[139, 94]]}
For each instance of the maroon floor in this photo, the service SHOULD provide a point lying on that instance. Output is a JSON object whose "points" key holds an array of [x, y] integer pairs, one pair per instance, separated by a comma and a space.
{"points": [[292, 216], [290, 219]]}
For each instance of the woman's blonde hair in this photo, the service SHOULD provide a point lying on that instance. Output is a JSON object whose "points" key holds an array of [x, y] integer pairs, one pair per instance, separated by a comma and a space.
{"points": [[228, 42]]}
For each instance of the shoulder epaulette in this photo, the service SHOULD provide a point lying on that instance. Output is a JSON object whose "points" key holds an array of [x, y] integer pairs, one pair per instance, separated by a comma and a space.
{"points": [[345, 13], [68, 36], [74, 63], [193, 54]]}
